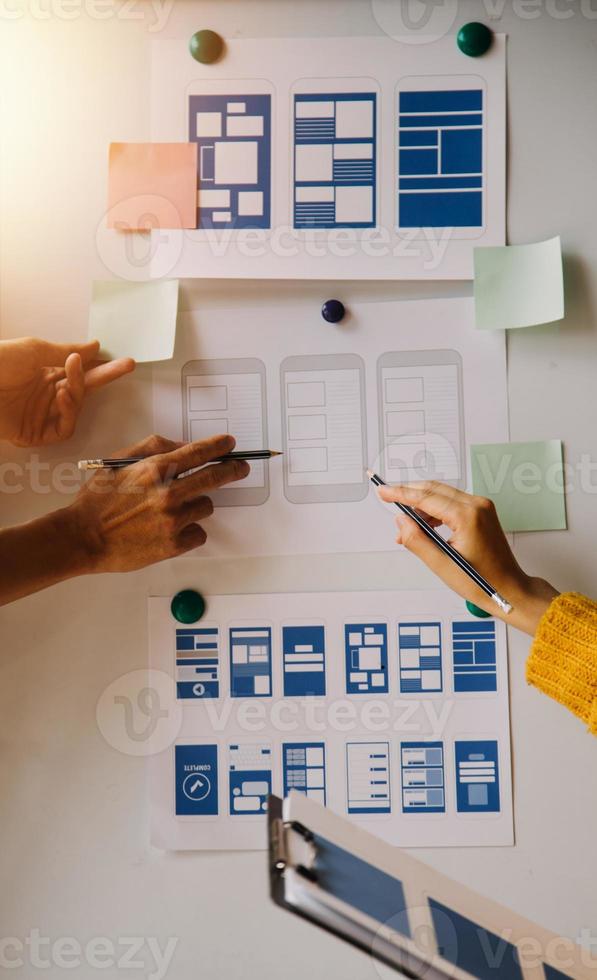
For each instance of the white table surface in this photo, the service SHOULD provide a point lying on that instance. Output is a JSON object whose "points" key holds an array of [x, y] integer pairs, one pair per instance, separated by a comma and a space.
{"points": [[74, 858]]}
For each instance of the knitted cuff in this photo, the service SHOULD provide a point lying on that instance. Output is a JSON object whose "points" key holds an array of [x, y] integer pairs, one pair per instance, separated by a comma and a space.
{"points": [[563, 658]]}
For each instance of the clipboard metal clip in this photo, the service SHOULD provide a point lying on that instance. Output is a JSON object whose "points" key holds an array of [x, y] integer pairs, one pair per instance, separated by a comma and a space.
{"points": [[279, 848]]}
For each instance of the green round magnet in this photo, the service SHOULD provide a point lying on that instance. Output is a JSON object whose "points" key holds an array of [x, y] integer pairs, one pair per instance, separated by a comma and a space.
{"points": [[206, 46], [474, 39], [187, 606], [476, 611]]}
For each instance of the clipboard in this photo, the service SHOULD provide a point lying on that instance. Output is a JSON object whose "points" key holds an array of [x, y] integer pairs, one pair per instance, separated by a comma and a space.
{"points": [[415, 920]]}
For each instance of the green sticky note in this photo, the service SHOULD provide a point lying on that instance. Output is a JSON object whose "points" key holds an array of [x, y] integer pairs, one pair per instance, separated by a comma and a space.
{"points": [[518, 285], [134, 319], [525, 480]]}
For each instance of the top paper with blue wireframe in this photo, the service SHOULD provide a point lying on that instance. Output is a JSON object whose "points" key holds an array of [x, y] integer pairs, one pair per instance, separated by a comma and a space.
{"points": [[395, 172]]}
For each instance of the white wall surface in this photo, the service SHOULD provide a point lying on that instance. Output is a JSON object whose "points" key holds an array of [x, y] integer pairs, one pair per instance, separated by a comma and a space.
{"points": [[74, 854]]}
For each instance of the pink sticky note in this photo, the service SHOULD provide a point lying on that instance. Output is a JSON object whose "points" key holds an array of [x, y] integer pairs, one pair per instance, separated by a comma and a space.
{"points": [[152, 185]]}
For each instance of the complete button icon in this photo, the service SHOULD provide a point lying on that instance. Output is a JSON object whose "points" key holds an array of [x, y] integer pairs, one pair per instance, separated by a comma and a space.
{"points": [[196, 786]]}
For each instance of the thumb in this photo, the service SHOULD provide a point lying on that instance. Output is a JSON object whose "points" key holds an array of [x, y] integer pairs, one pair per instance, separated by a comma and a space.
{"points": [[55, 355]]}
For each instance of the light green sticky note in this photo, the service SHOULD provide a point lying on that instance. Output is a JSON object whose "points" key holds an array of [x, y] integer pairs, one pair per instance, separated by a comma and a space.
{"points": [[134, 319], [525, 480], [518, 285]]}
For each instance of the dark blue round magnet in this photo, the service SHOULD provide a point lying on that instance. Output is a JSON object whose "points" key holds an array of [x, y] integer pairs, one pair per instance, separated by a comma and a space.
{"points": [[474, 39], [476, 611], [333, 310], [187, 606], [206, 46]]}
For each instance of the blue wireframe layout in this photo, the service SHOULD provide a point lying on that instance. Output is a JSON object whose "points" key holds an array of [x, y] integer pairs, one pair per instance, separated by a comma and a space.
{"points": [[233, 133], [303, 652], [250, 661], [477, 777], [420, 657], [368, 777], [304, 769], [335, 160], [474, 655], [440, 159], [197, 663], [250, 777], [366, 658], [423, 784]]}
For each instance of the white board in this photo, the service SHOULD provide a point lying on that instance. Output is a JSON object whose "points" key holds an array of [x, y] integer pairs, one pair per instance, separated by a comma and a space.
{"points": [[392, 172], [389, 707], [401, 387]]}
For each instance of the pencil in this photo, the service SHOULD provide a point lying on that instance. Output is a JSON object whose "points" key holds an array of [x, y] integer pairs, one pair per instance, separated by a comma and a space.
{"points": [[118, 464], [447, 548]]}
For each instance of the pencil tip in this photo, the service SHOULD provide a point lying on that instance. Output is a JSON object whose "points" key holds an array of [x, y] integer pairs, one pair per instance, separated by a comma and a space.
{"points": [[369, 473], [276, 452]]}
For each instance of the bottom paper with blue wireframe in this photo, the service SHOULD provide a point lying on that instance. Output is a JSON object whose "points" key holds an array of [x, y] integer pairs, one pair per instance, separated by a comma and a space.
{"points": [[389, 707]]}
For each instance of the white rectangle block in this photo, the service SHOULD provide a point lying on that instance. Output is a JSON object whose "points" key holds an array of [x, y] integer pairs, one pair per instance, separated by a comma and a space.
{"points": [[353, 151], [204, 428], [405, 423], [262, 684], [314, 757], [314, 110], [208, 398], [313, 161], [240, 654], [312, 195], [429, 636], [354, 204], [404, 390], [209, 198], [315, 778], [307, 394], [306, 427], [354, 119], [250, 203], [208, 124], [369, 659], [235, 162], [308, 460], [244, 126], [246, 804]]}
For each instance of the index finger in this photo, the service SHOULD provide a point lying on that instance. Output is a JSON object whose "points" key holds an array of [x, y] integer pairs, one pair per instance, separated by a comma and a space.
{"points": [[103, 373], [194, 454], [439, 500]]}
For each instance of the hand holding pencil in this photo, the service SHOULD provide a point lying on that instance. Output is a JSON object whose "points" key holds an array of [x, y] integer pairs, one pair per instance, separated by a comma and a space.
{"points": [[478, 537]]}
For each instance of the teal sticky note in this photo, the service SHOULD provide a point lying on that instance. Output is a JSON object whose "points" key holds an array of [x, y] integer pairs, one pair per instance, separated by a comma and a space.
{"points": [[525, 480], [134, 319], [518, 285]]}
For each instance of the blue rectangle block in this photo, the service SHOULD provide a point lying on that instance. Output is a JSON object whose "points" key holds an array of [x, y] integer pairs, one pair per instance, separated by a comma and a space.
{"points": [[462, 151], [465, 683], [446, 101], [427, 122], [378, 895], [427, 137], [460, 209], [463, 659], [472, 948], [435, 183], [196, 779], [470, 628], [418, 161]]}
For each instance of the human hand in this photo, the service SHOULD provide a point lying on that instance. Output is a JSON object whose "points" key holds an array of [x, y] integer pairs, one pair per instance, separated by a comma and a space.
{"points": [[125, 519], [43, 385], [478, 536]]}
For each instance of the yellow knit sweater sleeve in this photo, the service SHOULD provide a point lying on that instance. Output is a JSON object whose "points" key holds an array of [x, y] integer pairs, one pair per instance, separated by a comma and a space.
{"points": [[563, 658]]}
